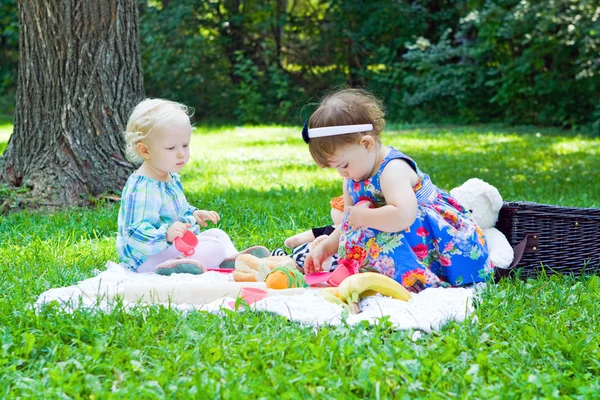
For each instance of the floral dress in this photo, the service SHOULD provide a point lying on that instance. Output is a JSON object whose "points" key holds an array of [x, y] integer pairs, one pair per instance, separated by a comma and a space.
{"points": [[442, 247]]}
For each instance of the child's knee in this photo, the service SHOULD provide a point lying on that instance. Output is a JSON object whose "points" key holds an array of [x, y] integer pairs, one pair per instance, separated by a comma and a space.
{"points": [[214, 232], [211, 253]]}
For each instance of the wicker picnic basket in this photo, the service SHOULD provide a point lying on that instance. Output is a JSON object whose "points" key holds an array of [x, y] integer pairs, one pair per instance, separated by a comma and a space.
{"points": [[561, 240]]}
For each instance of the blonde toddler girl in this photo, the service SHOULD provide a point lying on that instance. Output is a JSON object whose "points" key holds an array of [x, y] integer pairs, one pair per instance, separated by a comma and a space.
{"points": [[154, 210]]}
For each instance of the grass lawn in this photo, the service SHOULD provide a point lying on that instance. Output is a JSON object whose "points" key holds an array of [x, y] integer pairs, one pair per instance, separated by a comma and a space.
{"points": [[533, 339], [6, 129]]}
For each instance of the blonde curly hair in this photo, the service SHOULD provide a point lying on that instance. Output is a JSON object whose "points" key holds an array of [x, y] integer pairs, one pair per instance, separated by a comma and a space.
{"points": [[344, 107], [145, 117]]}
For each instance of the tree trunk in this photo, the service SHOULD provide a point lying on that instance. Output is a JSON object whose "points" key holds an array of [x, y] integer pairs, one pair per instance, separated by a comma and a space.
{"points": [[79, 77]]}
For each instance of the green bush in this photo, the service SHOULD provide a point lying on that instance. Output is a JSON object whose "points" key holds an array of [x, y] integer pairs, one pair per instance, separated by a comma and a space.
{"points": [[182, 59], [9, 42], [535, 62], [443, 83], [510, 61]]}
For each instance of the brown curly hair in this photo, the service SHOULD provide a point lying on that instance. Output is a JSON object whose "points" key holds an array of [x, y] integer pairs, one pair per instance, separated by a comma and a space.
{"points": [[344, 107]]}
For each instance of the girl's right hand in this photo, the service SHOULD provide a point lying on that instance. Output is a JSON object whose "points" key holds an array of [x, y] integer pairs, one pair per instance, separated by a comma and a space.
{"points": [[316, 258], [176, 230]]}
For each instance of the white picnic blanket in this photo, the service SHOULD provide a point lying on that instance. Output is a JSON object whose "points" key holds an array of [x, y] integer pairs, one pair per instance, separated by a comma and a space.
{"points": [[428, 310]]}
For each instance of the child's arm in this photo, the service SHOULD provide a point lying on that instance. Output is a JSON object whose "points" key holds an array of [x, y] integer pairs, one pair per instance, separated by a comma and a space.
{"points": [[195, 216], [321, 252], [142, 228], [328, 246], [348, 203], [202, 216], [400, 211], [188, 215]]}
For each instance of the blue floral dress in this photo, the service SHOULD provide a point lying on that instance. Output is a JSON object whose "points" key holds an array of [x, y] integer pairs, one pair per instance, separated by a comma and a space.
{"points": [[442, 247]]}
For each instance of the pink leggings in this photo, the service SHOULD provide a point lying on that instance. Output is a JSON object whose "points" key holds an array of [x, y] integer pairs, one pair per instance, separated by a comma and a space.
{"points": [[213, 247]]}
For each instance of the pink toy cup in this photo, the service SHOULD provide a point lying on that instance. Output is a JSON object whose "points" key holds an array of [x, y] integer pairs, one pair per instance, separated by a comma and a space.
{"points": [[187, 243], [252, 295], [338, 275], [317, 278]]}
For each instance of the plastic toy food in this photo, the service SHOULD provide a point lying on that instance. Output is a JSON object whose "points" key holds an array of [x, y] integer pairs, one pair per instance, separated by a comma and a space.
{"points": [[249, 268], [285, 277], [358, 285]]}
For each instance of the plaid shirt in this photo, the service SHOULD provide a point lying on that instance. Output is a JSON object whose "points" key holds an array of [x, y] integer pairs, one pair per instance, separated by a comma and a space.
{"points": [[148, 208]]}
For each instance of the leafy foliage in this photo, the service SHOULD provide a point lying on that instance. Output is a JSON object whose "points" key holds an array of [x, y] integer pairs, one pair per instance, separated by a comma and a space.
{"points": [[261, 61], [543, 57], [9, 42]]}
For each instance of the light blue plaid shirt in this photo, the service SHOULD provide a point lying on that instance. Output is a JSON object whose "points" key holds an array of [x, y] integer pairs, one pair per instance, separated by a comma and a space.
{"points": [[148, 208]]}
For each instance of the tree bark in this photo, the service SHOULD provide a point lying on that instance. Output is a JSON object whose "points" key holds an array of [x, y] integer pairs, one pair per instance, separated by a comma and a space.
{"points": [[79, 77]]}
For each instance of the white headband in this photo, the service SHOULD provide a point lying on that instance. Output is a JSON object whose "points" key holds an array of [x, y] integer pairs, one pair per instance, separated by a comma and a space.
{"points": [[338, 130], [333, 130]]}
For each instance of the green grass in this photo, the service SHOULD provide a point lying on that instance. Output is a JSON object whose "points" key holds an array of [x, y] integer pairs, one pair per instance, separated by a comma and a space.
{"points": [[533, 339]]}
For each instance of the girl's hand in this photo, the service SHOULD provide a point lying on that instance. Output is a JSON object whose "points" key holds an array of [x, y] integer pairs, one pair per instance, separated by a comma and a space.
{"points": [[358, 214], [203, 215], [316, 257], [176, 230]]}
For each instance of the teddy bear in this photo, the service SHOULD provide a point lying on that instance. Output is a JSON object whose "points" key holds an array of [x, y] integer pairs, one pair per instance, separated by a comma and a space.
{"points": [[484, 202]]}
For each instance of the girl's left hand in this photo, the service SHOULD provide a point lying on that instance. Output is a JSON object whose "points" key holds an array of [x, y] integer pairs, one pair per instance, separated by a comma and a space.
{"points": [[356, 216], [203, 215]]}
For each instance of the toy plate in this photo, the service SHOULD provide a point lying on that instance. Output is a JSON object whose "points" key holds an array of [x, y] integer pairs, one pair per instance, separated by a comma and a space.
{"points": [[317, 277]]}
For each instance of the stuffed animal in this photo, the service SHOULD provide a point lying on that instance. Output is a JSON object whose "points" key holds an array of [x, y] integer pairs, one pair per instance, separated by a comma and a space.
{"points": [[484, 202]]}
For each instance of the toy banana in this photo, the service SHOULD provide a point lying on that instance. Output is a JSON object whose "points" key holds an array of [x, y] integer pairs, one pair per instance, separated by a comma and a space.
{"points": [[331, 295], [359, 285]]}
